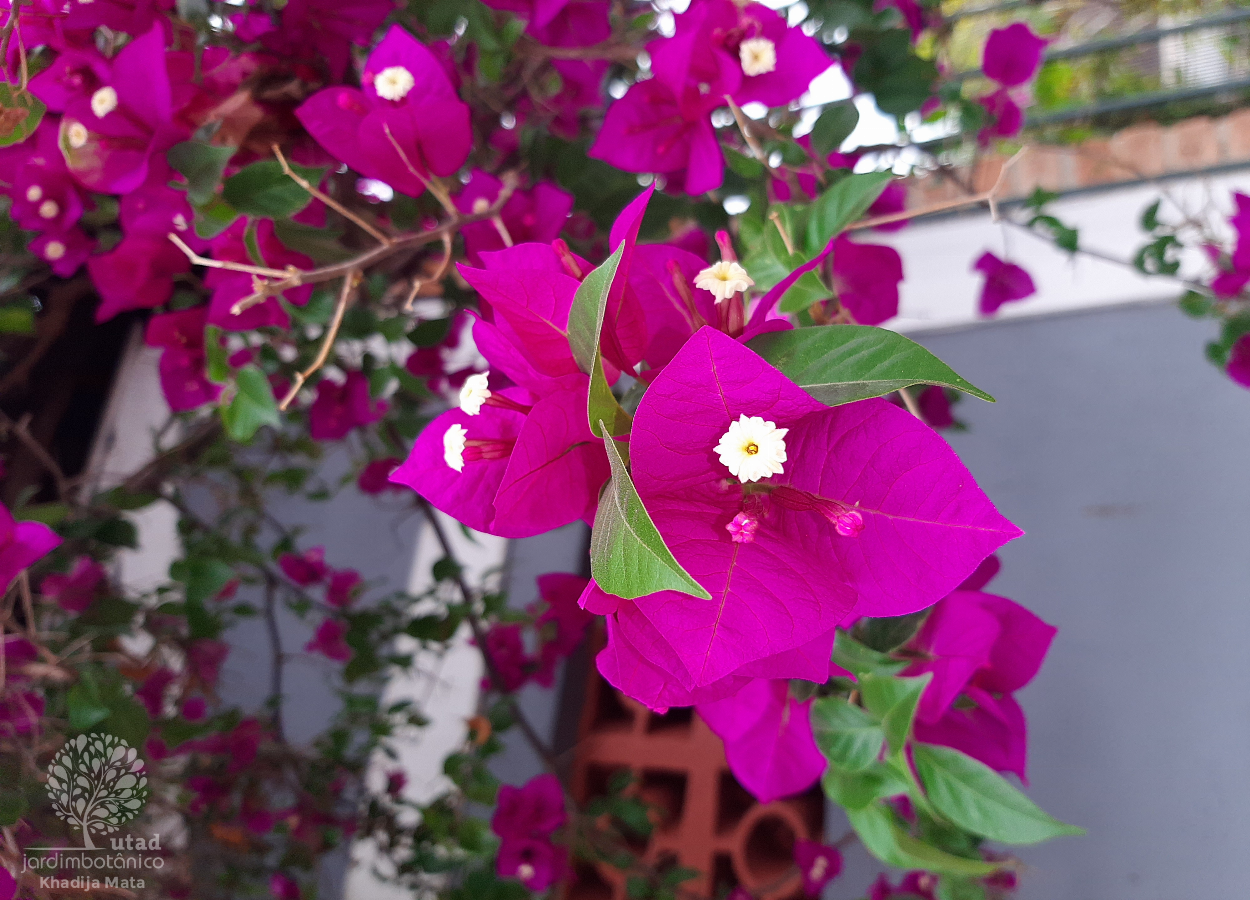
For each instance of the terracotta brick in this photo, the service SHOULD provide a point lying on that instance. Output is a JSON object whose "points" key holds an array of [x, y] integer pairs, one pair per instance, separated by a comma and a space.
{"points": [[705, 820], [986, 173], [1236, 134], [1190, 144], [1046, 166], [1139, 148], [1095, 164]]}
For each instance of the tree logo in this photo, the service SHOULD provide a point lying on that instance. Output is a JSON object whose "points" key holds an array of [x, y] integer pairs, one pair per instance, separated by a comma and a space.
{"points": [[96, 784]]}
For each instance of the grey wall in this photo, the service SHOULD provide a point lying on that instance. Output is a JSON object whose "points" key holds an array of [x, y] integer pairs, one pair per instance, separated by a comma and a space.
{"points": [[1123, 455]]}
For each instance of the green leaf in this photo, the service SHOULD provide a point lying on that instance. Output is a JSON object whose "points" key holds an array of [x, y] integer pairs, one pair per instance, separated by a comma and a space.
{"points": [[214, 217], [48, 513], [894, 700], [202, 164], [218, 366], [834, 126], [203, 578], [885, 840], [627, 555], [857, 659], [1196, 305], [843, 204], [888, 632], [263, 189], [856, 790], [17, 318], [253, 405], [951, 888], [747, 166], [842, 363], [12, 808], [976, 798], [590, 304], [20, 114], [86, 710], [849, 736], [1150, 218]]}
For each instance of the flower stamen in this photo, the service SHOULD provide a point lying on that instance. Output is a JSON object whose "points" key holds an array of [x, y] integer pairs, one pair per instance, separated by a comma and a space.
{"points": [[753, 448]]}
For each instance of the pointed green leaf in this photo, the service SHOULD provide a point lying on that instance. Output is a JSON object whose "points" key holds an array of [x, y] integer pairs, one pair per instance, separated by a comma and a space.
{"points": [[264, 190], [627, 555], [590, 304], [850, 737], [975, 797], [202, 165], [218, 366], [251, 407], [892, 845], [894, 700], [857, 659], [841, 363], [842, 204], [856, 790], [834, 126]]}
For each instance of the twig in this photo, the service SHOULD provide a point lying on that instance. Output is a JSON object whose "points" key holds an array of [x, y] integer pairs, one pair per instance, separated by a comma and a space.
{"points": [[277, 657], [232, 266], [332, 330], [785, 236], [754, 143], [439, 274], [293, 277], [990, 197], [61, 301], [327, 199], [21, 431], [910, 403], [479, 637]]}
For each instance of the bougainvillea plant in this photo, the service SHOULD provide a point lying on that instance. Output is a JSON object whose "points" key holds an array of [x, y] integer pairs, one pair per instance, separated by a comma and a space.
{"points": [[526, 263]]}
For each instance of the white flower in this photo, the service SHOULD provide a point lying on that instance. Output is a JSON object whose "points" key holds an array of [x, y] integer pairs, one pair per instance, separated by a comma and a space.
{"points": [[758, 56], [49, 209], [453, 447], [53, 251], [393, 83], [103, 101], [723, 279], [753, 448], [474, 393], [34, 193], [77, 135]]}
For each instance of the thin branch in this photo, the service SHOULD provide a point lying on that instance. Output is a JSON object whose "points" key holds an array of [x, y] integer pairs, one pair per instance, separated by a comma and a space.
{"points": [[756, 148], [293, 277], [277, 657], [989, 197], [21, 431], [910, 403], [327, 199], [232, 266], [439, 274], [332, 330], [479, 637], [61, 301]]}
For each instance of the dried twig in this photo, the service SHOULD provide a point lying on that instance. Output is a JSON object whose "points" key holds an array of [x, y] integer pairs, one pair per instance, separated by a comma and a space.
{"points": [[232, 266], [332, 330], [327, 199], [910, 403], [293, 277], [990, 197], [20, 430], [418, 283]]}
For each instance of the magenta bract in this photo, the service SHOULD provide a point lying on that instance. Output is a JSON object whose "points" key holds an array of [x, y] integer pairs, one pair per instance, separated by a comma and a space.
{"points": [[407, 123], [925, 525], [768, 739]]}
